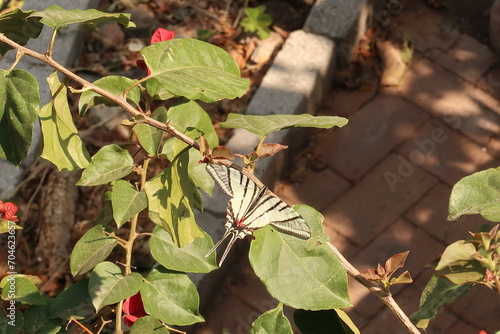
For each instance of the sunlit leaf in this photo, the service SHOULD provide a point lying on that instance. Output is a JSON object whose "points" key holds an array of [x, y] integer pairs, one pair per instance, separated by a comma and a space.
{"points": [[171, 197], [193, 69], [190, 258], [271, 322], [114, 84], [61, 143], [150, 137], [171, 297], [148, 325], [477, 193], [284, 262], [264, 125], [108, 286], [91, 249], [126, 201], [57, 17], [110, 163], [25, 291]]}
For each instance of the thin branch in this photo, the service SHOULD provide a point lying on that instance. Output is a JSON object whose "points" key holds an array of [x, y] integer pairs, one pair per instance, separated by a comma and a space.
{"points": [[120, 100], [85, 329], [378, 290]]}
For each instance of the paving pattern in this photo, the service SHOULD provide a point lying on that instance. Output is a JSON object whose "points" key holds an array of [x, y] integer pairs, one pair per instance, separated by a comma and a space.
{"points": [[388, 176]]}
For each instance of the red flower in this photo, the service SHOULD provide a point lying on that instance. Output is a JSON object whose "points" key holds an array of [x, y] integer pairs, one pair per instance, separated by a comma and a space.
{"points": [[134, 309], [8, 211], [483, 332], [160, 35]]}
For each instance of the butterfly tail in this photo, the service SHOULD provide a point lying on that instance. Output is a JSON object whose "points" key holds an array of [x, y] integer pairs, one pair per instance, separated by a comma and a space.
{"points": [[229, 245], [226, 234]]}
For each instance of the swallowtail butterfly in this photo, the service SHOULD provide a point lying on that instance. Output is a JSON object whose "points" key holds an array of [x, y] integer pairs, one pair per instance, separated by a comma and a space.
{"points": [[252, 207]]}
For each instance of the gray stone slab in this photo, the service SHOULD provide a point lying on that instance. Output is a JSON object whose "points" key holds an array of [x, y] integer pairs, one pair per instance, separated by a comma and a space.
{"points": [[66, 49]]}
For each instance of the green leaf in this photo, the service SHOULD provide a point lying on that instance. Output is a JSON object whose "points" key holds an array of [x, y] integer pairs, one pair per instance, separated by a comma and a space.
{"points": [[110, 163], [264, 125], [106, 215], [257, 21], [477, 193], [33, 279], [171, 197], [11, 321], [324, 322], [61, 144], [171, 297], [108, 286], [457, 251], [150, 137], [72, 302], [148, 325], [464, 272], [190, 119], [6, 226], [91, 249], [114, 84], [38, 321], [126, 201], [271, 322], [21, 288], [19, 27], [19, 103], [284, 262], [24, 290], [438, 292], [194, 69], [190, 258], [57, 17]]}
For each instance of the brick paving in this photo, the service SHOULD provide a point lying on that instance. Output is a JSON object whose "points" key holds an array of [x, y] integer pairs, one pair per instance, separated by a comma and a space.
{"points": [[388, 175]]}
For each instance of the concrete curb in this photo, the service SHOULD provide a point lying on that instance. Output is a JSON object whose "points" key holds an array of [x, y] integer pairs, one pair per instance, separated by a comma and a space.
{"points": [[10, 176]]}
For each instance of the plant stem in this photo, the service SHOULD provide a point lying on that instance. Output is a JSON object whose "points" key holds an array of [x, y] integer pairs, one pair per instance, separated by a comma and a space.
{"points": [[119, 310], [378, 290], [120, 100], [130, 244], [51, 45]]}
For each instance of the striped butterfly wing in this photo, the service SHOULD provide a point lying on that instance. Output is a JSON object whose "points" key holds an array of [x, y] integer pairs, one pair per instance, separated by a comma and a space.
{"points": [[252, 207]]}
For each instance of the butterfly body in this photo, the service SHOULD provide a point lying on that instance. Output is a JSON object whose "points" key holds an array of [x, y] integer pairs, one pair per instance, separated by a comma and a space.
{"points": [[252, 206]]}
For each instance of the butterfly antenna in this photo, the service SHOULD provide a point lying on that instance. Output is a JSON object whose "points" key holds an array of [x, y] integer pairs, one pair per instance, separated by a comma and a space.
{"points": [[229, 245], [226, 234]]}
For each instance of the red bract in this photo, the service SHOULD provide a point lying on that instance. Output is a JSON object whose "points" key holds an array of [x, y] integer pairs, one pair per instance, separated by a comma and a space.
{"points": [[160, 35], [8, 211], [133, 309]]}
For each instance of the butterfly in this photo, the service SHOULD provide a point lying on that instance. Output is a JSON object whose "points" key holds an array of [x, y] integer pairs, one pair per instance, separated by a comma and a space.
{"points": [[251, 207]]}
